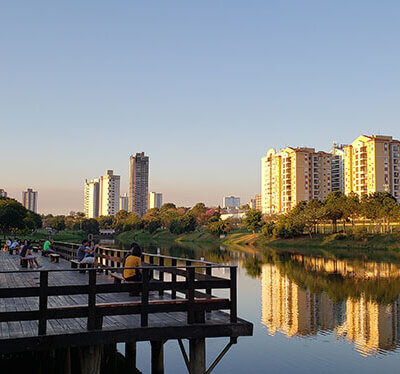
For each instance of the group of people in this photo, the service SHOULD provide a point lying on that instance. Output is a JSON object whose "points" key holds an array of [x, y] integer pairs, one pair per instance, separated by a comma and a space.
{"points": [[85, 255], [24, 251]]}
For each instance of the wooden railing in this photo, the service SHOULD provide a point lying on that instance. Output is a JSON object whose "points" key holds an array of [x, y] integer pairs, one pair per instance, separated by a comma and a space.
{"points": [[187, 279]]}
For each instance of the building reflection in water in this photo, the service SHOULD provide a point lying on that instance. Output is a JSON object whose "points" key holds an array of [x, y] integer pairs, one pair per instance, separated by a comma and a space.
{"points": [[296, 311]]}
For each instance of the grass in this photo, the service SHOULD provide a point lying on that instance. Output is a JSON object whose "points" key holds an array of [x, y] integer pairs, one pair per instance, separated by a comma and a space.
{"points": [[61, 236]]}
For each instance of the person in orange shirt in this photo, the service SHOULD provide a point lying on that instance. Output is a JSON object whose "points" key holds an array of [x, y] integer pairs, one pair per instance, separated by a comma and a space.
{"points": [[133, 260]]}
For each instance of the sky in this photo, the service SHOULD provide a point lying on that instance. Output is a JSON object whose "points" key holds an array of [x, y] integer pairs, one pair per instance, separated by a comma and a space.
{"points": [[204, 88]]}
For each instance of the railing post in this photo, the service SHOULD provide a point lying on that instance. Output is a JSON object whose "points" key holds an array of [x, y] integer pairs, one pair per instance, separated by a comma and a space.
{"points": [[91, 322], [208, 290], [161, 274], [43, 291], [173, 278], [233, 293], [151, 262], [144, 318], [190, 294]]}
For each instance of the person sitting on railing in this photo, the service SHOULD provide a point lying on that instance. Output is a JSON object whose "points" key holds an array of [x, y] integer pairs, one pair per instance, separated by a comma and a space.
{"points": [[133, 260], [14, 246], [26, 253], [7, 245]]}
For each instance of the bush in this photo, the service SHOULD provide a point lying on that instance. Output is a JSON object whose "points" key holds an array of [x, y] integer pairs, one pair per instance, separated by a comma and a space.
{"points": [[360, 233], [268, 229]]}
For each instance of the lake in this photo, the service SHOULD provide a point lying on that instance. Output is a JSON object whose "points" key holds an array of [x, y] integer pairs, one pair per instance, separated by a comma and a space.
{"points": [[310, 314]]}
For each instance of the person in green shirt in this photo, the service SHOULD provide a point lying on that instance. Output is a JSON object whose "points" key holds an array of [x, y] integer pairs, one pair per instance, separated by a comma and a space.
{"points": [[47, 246]]}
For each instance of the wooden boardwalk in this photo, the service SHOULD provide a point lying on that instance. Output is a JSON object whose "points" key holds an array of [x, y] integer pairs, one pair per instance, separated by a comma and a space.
{"points": [[122, 326]]}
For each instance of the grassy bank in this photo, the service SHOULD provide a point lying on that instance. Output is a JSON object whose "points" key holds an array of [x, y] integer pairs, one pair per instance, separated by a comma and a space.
{"points": [[61, 236]]}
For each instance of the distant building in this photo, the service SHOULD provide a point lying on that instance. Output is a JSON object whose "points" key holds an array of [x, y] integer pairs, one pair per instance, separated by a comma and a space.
{"points": [[155, 200], [109, 194], [3, 193], [138, 183], [337, 167], [29, 199], [258, 202], [231, 202], [293, 175], [92, 198], [252, 204], [124, 202], [372, 164]]}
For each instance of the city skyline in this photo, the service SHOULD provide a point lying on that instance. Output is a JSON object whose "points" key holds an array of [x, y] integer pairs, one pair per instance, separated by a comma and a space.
{"points": [[156, 79]]}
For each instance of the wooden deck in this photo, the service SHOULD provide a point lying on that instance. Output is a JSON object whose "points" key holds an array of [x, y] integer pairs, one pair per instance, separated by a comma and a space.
{"points": [[22, 335]]}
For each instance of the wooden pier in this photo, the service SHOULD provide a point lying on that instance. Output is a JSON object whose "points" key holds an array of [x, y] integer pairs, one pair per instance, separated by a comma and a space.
{"points": [[74, 318]]}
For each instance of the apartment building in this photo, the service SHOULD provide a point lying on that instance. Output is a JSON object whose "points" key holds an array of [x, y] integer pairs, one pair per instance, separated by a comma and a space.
{"points": [[293, 175], [372, 164], [109, 194], [155, 200], [124, 202], [138, 183], [29, 199], [231, 202], [91, 198], [337, 153]]}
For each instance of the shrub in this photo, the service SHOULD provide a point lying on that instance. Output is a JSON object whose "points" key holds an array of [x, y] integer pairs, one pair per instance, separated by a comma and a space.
{"points": [[268, 229]]}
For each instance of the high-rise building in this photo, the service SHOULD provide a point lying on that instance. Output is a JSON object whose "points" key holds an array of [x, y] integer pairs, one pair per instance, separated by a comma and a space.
{"points": [[251, 204], [109, 194], [138, 183], [29, 199], [337, 153], [231, 202], [3, 193], [124, 202], [92, 198], [293, 175], [155, 200], [372, 164], [258, 202]]}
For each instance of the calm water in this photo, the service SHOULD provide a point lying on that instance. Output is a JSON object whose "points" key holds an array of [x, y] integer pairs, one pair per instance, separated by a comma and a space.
{"points": [[310, 315]]}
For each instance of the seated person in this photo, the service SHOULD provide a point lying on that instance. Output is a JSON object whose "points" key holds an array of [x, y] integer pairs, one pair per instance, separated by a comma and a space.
{"points": [[26, 253], [133, 260], [48, 247], [14, 246], [83, 250]]}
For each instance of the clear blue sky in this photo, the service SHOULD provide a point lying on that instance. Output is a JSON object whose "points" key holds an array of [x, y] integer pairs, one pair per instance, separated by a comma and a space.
{"points": [[204, 88]]}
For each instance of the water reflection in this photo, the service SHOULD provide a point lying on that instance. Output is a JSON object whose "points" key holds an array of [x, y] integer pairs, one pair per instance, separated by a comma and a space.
{"points": [[303, 296], [355, 301]]}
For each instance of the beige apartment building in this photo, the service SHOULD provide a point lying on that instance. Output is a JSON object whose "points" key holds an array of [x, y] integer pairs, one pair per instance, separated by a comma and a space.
{"points": [[293, 175], [372, 165]]}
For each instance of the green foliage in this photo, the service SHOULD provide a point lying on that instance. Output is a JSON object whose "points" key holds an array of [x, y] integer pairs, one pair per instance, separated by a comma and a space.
{"points": [[268, 229], [90, 226], [253, 220], [218, 227], [14, 217]]}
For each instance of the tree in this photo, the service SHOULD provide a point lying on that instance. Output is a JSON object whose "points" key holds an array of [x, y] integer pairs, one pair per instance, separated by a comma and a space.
{"points": [[334, 205], [352, 208], [90, 226], [199, 212], [57, 223], [12, 215], [313, 213], [253, 220], [219, 227], [105, 222]]}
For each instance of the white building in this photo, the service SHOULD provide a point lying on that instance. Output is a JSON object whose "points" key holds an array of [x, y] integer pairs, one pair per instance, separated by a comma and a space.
{"points": [[231, 202], [155, 200], [92, 198], [124, 202], [337, 167], [29, 199], [3, 193], [109, 194]]}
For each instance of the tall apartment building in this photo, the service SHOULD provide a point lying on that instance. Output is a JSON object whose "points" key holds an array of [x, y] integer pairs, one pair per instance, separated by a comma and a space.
{"points": [[231, 202], [3, 193], [337, 153], [124, 202], [372, 164], [29, 199], [258, 202], [138, 183], [109, 194], [293, 175], [155, 200], [91, 198]]}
